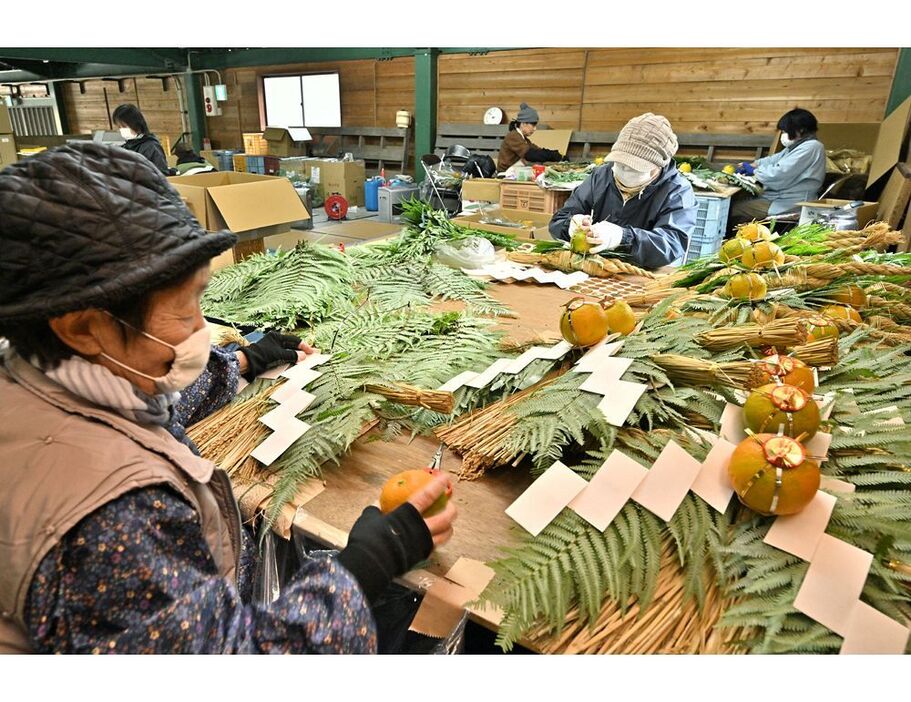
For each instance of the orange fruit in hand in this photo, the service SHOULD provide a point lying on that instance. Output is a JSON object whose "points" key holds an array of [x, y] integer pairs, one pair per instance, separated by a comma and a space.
{"points": [[403, 485]]}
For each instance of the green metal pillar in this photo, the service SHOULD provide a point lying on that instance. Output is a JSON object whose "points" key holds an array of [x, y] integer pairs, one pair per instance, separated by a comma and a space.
{"points": [[901, 82], [196, 112], [425, 105], [61, 108]]}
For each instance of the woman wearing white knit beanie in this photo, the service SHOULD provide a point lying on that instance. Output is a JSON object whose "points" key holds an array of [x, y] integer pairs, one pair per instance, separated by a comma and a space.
{"points": [[637, 202]]}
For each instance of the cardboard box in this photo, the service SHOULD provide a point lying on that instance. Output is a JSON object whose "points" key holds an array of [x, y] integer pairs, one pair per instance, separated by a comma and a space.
{"points": [[557, 139], [534, 224], [343, 177], [8, 153], [251, 206], [484, 189], [865, 213], [286, 142], [854, 135], [6, 124], [889, 141]]}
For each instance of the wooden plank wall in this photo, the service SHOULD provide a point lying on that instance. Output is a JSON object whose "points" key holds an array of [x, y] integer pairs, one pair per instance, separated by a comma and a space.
{"points": [[721, 91], [371, 93], [92, 110]]}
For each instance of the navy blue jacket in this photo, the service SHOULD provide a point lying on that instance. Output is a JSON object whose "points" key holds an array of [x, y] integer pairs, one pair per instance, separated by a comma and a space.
{"points": [[657, 224]]}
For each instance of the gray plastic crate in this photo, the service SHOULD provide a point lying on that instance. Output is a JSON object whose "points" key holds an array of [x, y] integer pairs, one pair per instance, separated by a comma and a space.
{"points": [[711, 223]]}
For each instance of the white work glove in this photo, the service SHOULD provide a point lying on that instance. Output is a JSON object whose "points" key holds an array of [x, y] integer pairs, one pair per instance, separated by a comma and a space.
{"points": [[604, 236]]}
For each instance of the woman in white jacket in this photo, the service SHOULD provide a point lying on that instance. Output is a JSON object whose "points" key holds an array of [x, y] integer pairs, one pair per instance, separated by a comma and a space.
{"points": [[794, 174]]}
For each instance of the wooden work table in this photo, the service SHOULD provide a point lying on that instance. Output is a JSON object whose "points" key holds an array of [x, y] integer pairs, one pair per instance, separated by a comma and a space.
{"points": [[482, 529]]}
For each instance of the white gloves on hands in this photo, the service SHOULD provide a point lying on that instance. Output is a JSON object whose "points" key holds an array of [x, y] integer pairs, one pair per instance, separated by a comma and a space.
{"points": [[604, 236]]}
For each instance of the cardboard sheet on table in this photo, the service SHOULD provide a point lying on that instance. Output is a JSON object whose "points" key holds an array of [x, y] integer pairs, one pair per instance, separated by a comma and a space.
{"points": [[835, 485], [492, 371], [300, 376], [799, 534], [869, 631], [441, 609], [609, 490], [732, 424], [458, 381], [545, 498], [608, 370], [273, 373], [473, 575], [620, 400], [668, 481], [712, 483], [278, 441], [833, 583]]}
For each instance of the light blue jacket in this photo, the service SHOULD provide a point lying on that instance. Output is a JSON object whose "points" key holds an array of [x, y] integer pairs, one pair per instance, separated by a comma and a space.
{"points": [[792, 175]]}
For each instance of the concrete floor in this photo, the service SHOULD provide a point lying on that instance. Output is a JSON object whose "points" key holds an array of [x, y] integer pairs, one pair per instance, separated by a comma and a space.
{"points": [[330, 232]]}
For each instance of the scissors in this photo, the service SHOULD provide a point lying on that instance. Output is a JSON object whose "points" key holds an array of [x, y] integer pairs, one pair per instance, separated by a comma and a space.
{"points": [[437, 459]]}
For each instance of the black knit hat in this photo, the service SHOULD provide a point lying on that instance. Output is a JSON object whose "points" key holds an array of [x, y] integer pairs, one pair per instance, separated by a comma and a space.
{"points": [[87, 225]]}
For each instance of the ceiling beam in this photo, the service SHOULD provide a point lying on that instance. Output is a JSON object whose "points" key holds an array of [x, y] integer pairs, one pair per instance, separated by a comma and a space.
{"points": [[236, 58], [163, 58], [80, 72]]}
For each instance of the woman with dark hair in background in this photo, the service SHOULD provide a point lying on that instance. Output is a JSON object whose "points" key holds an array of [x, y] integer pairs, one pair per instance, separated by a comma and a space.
{"points": [[517, 146], [794, 174], [134, 129]]}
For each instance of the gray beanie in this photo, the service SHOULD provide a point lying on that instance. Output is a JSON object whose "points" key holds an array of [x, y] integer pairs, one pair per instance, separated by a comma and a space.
{"points": [[644, 142], [526, 113]]}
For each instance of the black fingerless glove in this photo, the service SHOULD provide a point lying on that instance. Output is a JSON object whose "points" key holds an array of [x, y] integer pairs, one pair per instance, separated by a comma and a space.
{"points": [[270, 351], [383, 546]]}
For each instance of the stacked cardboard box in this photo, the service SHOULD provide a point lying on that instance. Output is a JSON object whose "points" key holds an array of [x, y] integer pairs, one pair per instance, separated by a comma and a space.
{"points": [[7, 139]]}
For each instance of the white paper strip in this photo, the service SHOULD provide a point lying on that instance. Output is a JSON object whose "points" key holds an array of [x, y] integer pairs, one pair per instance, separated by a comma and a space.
{"points": [[461, 379], [591, 360], [620, 401], [872, 632], [492, 371], [241, 384], [278, 442], [291, 388], [273, 373], [712, 483], [799, 534], [300, 375], [609, 490], [835, 485], [668, 481], [732, 424], [833, 583], [607, 373], [818, 447], [545, 498]]}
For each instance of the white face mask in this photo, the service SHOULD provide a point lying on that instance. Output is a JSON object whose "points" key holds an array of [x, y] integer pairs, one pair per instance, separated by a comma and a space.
{"points": [[190, 359], [786, 141], [128, 133], [630, 177]]}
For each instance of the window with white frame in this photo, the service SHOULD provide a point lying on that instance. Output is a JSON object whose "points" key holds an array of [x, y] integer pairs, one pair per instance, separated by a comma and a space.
{"points": [[309, 100]]}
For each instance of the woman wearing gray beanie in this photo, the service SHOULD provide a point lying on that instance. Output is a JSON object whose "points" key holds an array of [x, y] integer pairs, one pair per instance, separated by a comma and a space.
{"points": [[636, 203], [517, 146]]}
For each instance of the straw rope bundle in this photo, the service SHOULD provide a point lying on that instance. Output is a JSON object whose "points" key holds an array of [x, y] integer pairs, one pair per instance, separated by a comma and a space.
{"points": [[894, 308], [795, 278], [672, 623], [820, 354], [480, 435], [403, 394], [568, 262], [694, 371], [653, 297], [781, 333], [227, 437], [830, 271]]}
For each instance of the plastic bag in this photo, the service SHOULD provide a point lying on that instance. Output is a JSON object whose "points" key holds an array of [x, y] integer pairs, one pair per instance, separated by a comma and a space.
{"points": [[473, 252], [266, 583]]}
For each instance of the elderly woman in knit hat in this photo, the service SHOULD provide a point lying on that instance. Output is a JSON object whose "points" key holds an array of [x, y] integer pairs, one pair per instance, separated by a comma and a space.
{"points": [[517, 146], [115, 535], [636, 203]]}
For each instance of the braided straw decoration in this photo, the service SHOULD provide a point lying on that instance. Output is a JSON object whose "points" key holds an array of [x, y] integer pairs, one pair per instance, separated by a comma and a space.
{"points": [[830, 271], [567, 261], [877, 242], [780, 333], [796, 278], [883, 286], [898, 310]]}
